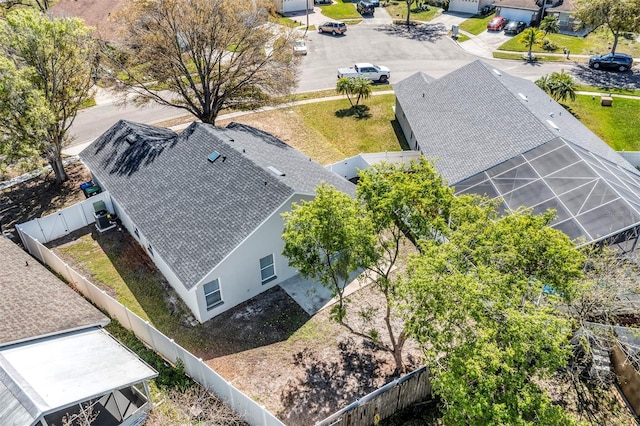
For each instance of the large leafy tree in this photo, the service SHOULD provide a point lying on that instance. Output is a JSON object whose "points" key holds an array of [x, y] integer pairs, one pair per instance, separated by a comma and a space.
{"points": [[400, 200], [41, 5], [558, 85], [619, 16], [481, 305], [328, 239], [48, 62], [207, 54]]}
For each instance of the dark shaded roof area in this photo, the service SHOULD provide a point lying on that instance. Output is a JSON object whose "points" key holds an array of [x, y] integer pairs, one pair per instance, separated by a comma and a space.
{"points": [[193, 211], [35, 303]]}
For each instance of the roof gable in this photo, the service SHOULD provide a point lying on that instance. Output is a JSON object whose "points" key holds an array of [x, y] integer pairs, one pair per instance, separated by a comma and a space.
{"points": [[194, 211]]}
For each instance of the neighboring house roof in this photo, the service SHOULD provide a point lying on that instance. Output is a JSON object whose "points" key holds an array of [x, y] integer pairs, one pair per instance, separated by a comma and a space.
{"points": [[494, 134], [45, 375], [194, 212], [476, 117], [35, 303], [557, 5]]}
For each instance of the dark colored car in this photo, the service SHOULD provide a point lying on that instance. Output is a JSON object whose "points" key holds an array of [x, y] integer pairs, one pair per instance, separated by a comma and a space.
{"points": [[515, 27], [487, 9], [616, 61], [333, 28], [497, 23], [365, 8]]}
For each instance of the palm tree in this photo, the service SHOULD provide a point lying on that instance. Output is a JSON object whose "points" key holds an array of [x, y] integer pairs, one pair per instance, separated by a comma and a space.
{"points": [[549, 24], [354, 86], [558, 85], [531, 37], [562, 86]]}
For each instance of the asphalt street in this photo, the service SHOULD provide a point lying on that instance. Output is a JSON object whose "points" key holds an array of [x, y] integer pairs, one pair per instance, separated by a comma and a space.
{"points": [[427, 48]]}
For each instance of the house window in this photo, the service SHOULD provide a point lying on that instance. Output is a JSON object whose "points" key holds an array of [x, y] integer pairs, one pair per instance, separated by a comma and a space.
{"points": [[267, 269], [212, 294]]}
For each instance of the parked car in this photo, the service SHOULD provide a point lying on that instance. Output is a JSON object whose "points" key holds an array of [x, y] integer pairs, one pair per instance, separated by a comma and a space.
{"points": [[378, 73], [300, 47], [365, 8], [333, 27], [616, 61], [497, 23], [515, 27], [487, 9], [375, 3]]}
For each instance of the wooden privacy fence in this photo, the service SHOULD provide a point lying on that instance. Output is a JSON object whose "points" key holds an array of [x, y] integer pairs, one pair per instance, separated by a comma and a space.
{"points": [[383, 402]]}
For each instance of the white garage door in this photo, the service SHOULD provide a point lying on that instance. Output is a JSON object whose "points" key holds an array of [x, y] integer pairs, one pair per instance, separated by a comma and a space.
{"points": [[517, 14], [463, 6], [293, 5]]}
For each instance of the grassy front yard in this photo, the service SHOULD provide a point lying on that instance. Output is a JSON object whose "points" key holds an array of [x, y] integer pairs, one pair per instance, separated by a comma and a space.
{"points": [[597, 42], [617, 125], [398, 10], [476, 24], [340, 10]]}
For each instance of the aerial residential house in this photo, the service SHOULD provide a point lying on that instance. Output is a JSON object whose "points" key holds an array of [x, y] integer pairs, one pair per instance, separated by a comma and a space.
{"points": [[493, 134], [468, 6], [206, 204], [56, 361], [532, 11]]}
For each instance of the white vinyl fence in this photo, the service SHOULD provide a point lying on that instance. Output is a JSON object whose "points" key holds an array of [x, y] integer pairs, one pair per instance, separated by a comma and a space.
{"points": [[250, 410]]}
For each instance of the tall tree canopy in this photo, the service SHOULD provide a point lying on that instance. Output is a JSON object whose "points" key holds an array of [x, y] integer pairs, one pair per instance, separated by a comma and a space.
{"points": [[207, 54], [619, 16], [46, 74], [481, 306], [328, 239]]}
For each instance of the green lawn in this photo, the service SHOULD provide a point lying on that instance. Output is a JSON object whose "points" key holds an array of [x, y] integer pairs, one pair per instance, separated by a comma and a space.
{"points": [[617, 90], [340, 10], [617, 125], [398, 10], [597, 42], [476, 24]]}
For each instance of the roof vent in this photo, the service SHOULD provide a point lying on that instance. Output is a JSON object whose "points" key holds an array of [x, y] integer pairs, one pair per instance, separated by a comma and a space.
{"points": [[214, 156], [552, 124], [523, 97], [131, 139], [498, 73], [276, 171]]}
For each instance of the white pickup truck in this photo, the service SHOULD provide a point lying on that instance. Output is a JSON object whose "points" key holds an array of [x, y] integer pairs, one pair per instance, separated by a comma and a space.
{"points": [[372, 72]]}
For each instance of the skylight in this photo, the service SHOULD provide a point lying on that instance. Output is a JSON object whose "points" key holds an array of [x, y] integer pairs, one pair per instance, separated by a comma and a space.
{"points": [[214, 156]]}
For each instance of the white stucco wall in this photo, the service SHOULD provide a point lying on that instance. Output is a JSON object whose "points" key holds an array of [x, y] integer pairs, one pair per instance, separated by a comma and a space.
{"points": [[406, 128], [239, 272], [464, 6]]}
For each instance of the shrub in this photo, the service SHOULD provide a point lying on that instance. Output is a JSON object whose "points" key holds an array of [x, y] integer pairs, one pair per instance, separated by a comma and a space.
{"points": [[549, 45]]}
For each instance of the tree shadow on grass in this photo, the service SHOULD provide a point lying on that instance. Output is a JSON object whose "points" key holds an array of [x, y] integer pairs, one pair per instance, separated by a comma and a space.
{"points": [[570, 110], [329, 383], [359, 112], [404, 144]]}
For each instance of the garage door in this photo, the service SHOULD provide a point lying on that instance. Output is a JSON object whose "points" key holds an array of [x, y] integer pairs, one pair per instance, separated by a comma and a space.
{"points": [[463, 6], [517, 14], [293, 5]]}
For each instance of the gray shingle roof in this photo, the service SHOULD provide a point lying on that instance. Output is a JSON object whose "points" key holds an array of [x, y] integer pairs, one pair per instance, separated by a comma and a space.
{"points": [[476, 117], [35, 303], [192, 211]]}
